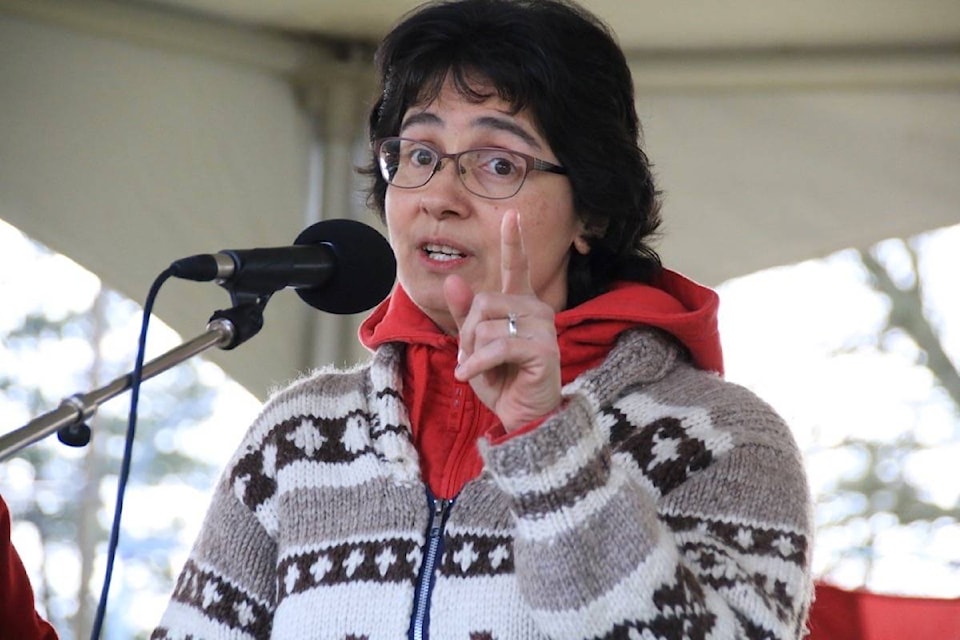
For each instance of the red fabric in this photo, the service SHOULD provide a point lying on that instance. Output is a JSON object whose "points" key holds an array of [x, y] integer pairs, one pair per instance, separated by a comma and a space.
{"points": [[446, 416], [838, 614], [674, 303], [18, 617]]}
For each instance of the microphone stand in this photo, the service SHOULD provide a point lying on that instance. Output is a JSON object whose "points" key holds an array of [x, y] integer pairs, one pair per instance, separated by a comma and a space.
{"points": [[226, 329]]}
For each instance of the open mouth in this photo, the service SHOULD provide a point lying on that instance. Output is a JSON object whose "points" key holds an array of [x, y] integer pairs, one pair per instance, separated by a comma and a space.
{"points": [[442, 252]]}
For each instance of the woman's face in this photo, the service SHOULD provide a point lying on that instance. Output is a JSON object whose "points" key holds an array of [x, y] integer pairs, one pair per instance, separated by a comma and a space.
{"points": [[441, 228]]}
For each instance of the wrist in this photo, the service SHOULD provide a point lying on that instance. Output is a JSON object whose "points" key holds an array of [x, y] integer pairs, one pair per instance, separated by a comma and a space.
{"points": [[522, 425]]}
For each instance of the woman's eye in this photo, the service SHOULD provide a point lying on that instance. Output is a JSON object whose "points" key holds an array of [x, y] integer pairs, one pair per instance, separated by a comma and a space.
{"points": [[497, 163], [503, 167], [422, 157]]}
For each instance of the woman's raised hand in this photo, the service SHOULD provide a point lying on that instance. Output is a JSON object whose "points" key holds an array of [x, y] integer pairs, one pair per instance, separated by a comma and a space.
{"points": [[508, 340]]}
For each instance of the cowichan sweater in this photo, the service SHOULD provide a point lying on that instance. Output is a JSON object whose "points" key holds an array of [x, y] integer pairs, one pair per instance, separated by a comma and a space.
{"points": [[661, 502]]}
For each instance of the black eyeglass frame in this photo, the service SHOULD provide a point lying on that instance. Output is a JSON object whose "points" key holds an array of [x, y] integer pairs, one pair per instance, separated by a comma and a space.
{"points": [[532, 164]]}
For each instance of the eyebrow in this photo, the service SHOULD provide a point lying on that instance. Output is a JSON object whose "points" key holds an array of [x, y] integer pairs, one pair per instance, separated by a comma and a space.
{"points": [[483, 122]]}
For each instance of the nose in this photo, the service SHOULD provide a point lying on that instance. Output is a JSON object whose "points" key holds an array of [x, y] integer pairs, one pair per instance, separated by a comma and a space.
{"points": [[445, 195], [444, 162]]}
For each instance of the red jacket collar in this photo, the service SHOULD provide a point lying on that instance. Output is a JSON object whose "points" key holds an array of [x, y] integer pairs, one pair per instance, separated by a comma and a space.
{"points": [[673, 303]]}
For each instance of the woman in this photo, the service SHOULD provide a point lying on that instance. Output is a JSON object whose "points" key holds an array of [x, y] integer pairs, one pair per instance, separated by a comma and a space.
{"points": [[542, 445]]}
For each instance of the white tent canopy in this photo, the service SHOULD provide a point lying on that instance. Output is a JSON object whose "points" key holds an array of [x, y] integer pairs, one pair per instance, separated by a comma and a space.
{"points": [[135, 133]]}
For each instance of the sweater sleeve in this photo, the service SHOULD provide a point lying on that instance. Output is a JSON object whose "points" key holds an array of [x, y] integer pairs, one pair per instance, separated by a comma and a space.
{"points": [[226, 589], [635, 515]]}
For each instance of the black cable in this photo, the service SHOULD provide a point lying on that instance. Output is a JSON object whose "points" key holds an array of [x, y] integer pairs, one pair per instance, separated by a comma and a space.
{"points": [[135, 378]]}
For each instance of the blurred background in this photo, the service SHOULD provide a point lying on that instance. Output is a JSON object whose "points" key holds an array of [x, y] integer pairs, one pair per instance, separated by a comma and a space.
{"points": [[808, 154]]}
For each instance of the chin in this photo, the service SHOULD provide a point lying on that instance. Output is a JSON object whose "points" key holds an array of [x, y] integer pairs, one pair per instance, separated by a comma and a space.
{"points": [[433, 307]]}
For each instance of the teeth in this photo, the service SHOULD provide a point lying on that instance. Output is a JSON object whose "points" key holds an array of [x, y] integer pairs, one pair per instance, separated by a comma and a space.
{"points": [[442, 252]]}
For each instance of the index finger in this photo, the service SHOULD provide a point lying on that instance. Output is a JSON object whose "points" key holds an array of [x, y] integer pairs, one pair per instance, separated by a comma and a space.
{"points": [[514, 267]]}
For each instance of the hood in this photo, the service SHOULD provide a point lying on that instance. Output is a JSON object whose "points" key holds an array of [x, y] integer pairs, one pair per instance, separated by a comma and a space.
{"points": [[673, 303]]}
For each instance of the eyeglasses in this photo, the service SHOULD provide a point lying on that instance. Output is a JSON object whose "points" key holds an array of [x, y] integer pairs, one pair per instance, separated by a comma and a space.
{"points": [[488, 172]]}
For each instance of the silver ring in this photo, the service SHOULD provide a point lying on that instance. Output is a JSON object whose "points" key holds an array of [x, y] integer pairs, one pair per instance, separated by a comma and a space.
{"points": [[512, 325]]}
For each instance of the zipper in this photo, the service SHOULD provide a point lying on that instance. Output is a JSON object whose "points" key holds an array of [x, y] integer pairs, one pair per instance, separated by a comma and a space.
{"points": [[439, 510]]}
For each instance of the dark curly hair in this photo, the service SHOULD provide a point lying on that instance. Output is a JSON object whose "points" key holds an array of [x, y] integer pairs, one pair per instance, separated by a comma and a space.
{"points": [[563, 64]]}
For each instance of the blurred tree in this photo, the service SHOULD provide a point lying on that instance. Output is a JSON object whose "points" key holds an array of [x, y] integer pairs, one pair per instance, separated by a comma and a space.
{"points": [[880, 494], [907, 312], [70, 499]]}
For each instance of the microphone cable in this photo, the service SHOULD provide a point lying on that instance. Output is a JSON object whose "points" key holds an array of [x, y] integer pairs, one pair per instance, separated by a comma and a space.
{"points": [[136, 377], [364, 255]]}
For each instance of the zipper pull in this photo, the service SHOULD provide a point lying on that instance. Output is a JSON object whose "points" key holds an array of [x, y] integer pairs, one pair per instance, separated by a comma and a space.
{"points": [[439, 512]]}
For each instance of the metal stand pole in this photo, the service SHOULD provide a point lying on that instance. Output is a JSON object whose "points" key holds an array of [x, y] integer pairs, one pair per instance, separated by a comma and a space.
{"points": [[74, 411]]}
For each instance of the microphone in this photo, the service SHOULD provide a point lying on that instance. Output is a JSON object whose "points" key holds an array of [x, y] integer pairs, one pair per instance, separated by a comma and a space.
{"points": [[338, 266]]}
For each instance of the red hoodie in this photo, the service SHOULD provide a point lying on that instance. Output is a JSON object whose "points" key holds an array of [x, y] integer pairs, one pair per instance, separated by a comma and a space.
{"points": [[446, 416], [18, 618]]}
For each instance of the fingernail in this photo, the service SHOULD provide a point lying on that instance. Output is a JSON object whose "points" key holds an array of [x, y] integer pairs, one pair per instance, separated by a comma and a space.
{"points": [[459, 357]]}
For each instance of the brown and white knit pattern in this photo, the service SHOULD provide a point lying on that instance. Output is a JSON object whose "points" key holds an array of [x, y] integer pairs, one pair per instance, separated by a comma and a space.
{"points": [[662, 502]]}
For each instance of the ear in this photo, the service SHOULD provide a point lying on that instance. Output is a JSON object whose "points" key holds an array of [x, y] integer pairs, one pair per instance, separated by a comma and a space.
{"points": [[581, 244], [590, 228]]}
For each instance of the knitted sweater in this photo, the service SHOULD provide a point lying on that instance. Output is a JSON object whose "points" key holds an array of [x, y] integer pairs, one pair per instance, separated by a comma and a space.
{"points": [[662, 502]]}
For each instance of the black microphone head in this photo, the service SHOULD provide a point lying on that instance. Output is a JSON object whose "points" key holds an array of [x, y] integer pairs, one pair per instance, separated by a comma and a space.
{"points": [[364, 271]]}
